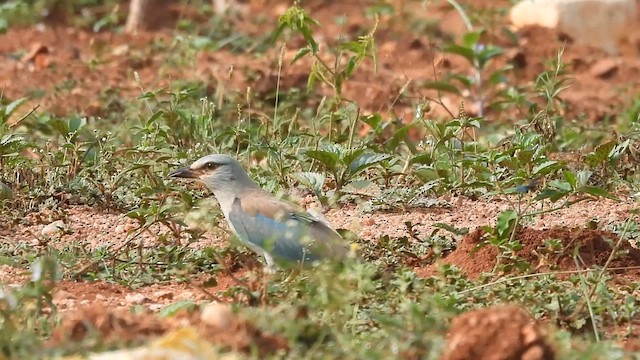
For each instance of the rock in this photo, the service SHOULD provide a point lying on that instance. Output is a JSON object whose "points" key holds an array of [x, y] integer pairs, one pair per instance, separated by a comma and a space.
{"points": [[597, 23], [120, 50], [217, 315], [163, 295], [604, 68], [497, 333], [136, 299], [63, 295], [120, 229], [55, 229], [185, 295]]}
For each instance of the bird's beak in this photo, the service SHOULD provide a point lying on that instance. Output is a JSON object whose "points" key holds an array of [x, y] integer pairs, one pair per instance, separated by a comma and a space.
{"points": [[184, 172]]}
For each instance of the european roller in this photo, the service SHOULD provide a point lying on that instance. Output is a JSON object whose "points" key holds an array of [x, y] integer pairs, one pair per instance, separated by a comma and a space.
{"points": [[278, 230]]}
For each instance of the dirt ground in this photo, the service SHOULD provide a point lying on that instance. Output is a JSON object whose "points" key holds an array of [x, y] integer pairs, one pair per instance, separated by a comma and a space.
{"points": [[72, 69]]}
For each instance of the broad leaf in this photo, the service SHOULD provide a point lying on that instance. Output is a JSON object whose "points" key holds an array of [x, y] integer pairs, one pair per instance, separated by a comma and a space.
{"points": [[312, 180], [327, 159], [505, 222], [551, 194], [366, 161], [598, 192], [545, 168], [442, 86]]}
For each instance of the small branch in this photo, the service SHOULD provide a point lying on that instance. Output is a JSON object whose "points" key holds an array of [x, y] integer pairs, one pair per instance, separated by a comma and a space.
{"points": [[24, 117]]}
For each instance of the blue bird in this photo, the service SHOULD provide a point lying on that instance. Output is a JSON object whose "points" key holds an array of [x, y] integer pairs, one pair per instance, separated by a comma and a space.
{"points": [[279, 231]]}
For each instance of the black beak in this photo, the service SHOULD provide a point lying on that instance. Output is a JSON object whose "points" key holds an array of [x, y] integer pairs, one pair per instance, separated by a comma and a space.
{"points": [[184, 172]]}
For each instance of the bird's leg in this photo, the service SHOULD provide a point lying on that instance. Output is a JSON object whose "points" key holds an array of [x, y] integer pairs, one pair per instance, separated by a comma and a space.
{"points": [[267, 272], [271, 265]]}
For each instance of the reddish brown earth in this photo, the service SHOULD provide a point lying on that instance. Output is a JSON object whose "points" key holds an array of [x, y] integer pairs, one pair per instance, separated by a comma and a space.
{"points": [[590, 247], [120, 326], [73, 69], [497, 333]]}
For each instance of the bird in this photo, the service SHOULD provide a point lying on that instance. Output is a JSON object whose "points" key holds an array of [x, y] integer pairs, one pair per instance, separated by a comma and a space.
{"points": [[280, 231]]}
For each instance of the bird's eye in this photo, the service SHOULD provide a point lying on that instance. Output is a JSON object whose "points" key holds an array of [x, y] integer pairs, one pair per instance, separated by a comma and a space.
{"points": [[211, 165]]}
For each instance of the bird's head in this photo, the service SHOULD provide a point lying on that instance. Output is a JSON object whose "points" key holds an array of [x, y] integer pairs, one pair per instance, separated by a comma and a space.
{"points": [[218, 172]]}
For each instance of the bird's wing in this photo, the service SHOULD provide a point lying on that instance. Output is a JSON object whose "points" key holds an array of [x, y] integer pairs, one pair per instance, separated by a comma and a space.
{"points": [[284, 230]]}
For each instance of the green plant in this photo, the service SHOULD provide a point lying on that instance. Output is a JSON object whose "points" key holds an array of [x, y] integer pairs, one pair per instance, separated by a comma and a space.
{"points": [[22, 310]]}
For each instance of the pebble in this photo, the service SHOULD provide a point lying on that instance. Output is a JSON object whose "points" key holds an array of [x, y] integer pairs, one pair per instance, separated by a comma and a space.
{"points": [[217, 315], [163, 295], [135, 299], [53, 229], [185, 295]]}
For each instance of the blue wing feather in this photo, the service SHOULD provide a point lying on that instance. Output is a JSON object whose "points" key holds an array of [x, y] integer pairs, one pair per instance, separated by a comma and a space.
{"points": [[281, 236]]}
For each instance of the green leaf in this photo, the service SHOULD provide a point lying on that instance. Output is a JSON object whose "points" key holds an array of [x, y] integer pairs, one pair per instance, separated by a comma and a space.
{"points": [[77, 123], [302, 52], [398, 137], [488, 54], [545, 168], [328, 159], [14, 105], [471, 38], [360, 184], [561, 185], [349, 157], [312, 180], [366, 161], [375, 121], [5, 191], [176, 307], [442, 86], [505, 222], [451, 229], [598, 192], [465, 52], [583, 177], [551, 194], [422, 159], [601, 154], [570, 178]]}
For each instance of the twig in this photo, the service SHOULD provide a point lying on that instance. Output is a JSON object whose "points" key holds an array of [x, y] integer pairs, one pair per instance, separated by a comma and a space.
{"points": [[520, 277], [114, 253], [24, 117]]}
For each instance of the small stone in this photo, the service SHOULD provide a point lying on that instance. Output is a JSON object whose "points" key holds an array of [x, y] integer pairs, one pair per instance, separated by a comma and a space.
{"points": [[136, 299], [615, 21], [155, 307], [101, 297], [54, 229], [36, 49], [163, 295], [217, 315], [66, 303], [604, 68], [120, 50], [120, 229], [185, 295]]}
